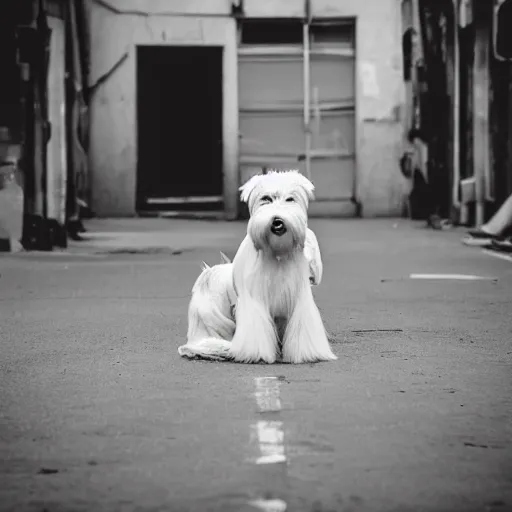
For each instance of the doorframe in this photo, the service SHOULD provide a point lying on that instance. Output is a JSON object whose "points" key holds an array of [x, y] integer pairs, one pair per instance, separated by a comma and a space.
{"points": [[350, 53], [308, 103], [56, 155], [230, 143], [140, 202]]}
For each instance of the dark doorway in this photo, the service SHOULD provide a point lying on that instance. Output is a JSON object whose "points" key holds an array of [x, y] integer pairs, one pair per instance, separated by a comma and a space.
{"points": [[179, 128]]}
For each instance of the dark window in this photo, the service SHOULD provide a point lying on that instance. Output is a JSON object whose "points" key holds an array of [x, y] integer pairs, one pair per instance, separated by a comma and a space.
{"points": [[407, 49], [282, 31], [333, 32], [503, 30]]}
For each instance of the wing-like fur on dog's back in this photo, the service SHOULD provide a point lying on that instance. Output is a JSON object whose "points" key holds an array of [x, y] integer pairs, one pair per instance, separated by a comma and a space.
{"points": [[211, 325], [212, 297]]}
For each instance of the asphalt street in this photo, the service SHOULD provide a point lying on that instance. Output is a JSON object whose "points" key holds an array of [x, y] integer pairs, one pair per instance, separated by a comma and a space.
{"points": [[99, 413]]}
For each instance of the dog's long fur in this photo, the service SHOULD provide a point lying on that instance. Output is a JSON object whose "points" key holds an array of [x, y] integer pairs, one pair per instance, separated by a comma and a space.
{"points": [[261, 305]]}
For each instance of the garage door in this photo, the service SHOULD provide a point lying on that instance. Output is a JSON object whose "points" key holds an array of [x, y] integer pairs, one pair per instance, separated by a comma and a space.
{"points": [[297, 104]]}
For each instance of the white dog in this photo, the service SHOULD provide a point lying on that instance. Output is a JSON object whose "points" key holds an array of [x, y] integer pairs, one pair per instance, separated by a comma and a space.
{"points": [[260, 307]]}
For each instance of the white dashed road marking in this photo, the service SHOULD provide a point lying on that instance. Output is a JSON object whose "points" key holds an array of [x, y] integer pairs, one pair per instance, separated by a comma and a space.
{"points": [[455, 277], [269, 435], [269, 505]]}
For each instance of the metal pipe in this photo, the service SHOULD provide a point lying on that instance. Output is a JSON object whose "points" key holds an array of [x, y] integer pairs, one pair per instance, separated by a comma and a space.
{"points": [[307, 100], [480, 115], [456, 108]]}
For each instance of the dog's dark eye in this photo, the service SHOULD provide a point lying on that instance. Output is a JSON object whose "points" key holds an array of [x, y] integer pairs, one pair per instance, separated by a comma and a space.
{"points": [[290, 199], [266, 199]]}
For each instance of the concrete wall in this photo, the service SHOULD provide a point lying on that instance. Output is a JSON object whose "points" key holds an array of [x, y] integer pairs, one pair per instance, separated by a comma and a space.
{"points": [[380, 93], [379, 101], [113, 152], [11, 196]]}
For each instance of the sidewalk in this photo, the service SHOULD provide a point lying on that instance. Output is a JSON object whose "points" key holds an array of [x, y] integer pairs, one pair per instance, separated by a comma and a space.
{"points": [[167, 237], [174, 236], [155, 236]]}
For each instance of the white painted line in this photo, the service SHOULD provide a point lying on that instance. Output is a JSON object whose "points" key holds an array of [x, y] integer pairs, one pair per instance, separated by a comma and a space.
{"points": [[499, 255], [458, 277], [269, 434], [269, 505], [267, 394], [270, 437]]}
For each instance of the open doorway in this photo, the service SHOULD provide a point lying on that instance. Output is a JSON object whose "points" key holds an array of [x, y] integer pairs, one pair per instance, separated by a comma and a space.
{"points": [[179, 125]]}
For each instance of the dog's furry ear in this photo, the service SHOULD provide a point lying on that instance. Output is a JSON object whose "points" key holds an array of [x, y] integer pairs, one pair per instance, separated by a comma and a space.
{"points": [[204, 266], [247, 188], [303, 182]]}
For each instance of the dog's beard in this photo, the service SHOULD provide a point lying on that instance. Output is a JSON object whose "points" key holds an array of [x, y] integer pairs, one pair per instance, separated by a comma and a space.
{"points": [[282, 245], [277, 283]]}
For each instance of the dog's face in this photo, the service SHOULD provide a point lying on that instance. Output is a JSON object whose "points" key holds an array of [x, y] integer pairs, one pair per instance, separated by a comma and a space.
{"points": [[278, 204]]}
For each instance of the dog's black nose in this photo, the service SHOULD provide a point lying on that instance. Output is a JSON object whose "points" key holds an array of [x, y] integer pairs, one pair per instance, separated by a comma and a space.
{"points": [[278, 227]]}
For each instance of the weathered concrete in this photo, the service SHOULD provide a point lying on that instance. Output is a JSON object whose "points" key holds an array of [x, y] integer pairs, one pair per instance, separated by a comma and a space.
{"points": [[113, 150], [11, 197], [414, 416], [379, 100]]}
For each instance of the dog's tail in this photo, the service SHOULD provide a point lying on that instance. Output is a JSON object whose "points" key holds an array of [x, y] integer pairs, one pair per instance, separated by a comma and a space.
{"points": [[224, 258], [207, 319]]}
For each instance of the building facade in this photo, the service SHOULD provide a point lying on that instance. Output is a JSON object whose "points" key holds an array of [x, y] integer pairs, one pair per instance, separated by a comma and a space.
{"points": [[43, 160], [458, 76], [197, 96]]}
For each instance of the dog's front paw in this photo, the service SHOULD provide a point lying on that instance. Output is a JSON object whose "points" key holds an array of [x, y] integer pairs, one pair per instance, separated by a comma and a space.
{"points": [[252, 354], [299, 356]]}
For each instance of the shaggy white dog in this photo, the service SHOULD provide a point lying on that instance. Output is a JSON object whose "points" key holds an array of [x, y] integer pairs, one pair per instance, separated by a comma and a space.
{"points": [[260, 307]]}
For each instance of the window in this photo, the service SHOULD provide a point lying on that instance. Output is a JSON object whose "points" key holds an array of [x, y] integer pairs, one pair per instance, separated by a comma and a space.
{"points": [[503, 36], [270, 32], [332, 33], [408, 40]]}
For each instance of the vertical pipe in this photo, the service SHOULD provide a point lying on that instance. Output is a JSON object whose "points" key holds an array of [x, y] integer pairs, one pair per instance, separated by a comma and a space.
{"points": [[509, 131], [481, 111], [306, 84], [456, 108], [358, 211]]}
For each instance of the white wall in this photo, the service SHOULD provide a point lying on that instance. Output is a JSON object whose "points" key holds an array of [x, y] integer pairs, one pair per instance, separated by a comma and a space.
{"points": [[380, 95], [113, 152], [379, 99]]}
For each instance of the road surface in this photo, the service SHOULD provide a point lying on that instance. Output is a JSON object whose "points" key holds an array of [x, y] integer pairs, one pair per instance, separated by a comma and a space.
{"points": [[99, 413]]}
